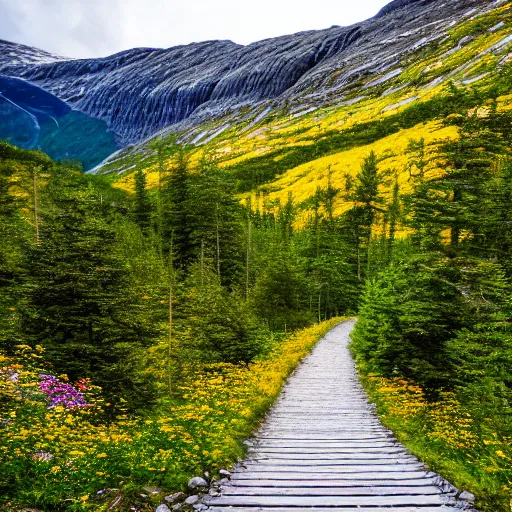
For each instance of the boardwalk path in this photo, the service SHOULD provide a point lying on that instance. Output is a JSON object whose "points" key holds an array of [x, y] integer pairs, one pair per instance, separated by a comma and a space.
{"points": [[322, 446]]}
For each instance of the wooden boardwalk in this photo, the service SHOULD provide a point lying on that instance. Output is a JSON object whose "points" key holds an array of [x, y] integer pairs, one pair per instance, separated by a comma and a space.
{"points": [[322, 447]]}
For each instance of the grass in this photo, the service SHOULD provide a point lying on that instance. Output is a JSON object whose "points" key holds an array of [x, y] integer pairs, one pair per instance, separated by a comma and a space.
{"points": [[64, 458], [457, 436]]}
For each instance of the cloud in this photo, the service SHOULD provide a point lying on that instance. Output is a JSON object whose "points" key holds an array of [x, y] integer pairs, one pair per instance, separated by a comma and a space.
{"points": [[91, 28], [71, 27]]}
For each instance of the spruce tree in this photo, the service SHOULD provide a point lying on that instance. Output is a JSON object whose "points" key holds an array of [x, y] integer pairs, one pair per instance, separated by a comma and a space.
{"points": [[142, 205], [77, 307]]}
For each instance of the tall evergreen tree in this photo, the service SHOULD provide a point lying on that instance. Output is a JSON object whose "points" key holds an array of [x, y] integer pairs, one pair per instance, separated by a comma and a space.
{"points": [[76, 307], [142, 205], [216, 221], [360, 218], [174, 201]]}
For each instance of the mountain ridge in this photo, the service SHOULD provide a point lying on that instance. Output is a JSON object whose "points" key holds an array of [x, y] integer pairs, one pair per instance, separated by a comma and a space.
{"points": [[141, 91]]}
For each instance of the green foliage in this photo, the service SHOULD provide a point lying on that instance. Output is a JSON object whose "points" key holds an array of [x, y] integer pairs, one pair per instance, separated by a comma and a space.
{"points": [[440, 312], [219, 325], [407, 314]]}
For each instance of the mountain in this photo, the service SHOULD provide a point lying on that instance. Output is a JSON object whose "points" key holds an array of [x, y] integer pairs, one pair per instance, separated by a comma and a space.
{"points": [[138, 92], [31, 117]]}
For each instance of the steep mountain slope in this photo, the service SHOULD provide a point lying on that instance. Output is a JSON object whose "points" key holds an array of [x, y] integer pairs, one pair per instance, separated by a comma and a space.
{"points": [[273, 150], [31, 117], [141, 91]]}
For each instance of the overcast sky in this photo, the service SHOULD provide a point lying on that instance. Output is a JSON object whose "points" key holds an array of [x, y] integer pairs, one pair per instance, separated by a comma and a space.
{"points": [[94, 28]]}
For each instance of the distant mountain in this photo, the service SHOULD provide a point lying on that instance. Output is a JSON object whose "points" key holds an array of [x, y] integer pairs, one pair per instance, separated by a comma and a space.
{"points": [[141, 91], [31, 117]]}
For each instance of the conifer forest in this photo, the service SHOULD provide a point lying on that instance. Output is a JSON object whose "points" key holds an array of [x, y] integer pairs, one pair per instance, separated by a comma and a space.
{"points": [[149, 317]]}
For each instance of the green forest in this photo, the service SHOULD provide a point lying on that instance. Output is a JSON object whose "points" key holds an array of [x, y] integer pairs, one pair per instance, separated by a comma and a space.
{"points": [[130, 299]]}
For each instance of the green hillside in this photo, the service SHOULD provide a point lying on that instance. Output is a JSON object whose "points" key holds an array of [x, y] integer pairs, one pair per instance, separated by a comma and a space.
{"points": [[150, 313]]}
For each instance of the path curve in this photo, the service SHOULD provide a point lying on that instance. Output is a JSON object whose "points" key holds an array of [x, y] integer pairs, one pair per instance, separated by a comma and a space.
{"points": [[322, 446]]}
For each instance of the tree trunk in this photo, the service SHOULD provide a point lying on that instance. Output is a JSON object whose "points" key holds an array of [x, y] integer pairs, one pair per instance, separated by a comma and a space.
{"points": [[247, 257], [218, 243], [202, 261], [169, 346], [36, 202]]}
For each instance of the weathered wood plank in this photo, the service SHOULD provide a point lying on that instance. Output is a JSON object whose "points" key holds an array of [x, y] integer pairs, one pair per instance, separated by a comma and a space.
{"points": [[331, 458], [307, 476], [322, 447], [341, 468], [340, 437], [332, 448], [372, 490], [335, 483], [327, 444], [326, 452], [323, 501], [330, 509]]}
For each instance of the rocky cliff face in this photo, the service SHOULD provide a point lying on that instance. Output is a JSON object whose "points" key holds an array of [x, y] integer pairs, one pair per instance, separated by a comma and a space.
{"points": [[141, 91]]}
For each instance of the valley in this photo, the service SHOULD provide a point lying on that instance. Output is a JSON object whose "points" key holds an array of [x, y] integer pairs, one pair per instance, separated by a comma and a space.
{"points": [[183, 228]]}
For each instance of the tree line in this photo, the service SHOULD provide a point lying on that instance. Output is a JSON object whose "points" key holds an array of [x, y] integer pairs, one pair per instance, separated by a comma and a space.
{"points": [[127, 288]]}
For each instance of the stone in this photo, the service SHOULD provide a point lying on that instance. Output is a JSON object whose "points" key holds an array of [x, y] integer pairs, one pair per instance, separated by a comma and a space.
{"points": [[192, 500], [162, 508], [224, 481], [200, 506], [178, 506], [225, 473], [173, 498], [466, 496], [197, 482], [152, 490]]}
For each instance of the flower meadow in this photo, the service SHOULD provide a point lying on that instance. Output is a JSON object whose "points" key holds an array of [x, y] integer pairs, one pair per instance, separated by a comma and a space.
{"points": [[57, 451], [460, 440]]}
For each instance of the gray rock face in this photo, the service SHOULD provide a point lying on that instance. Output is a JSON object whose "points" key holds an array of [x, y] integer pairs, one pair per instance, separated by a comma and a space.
{"points": [[192, 500], [162, 508], [141, 91], [197, 482], [400, 4]]}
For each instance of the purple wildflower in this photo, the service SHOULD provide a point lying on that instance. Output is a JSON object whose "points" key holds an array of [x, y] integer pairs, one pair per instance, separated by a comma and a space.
{"points": [[61, 393], [42, 455]]}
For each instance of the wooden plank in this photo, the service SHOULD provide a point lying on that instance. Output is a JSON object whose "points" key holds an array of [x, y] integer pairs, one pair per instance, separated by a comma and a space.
{"points": [[372, 490], [341, 468], [308, 459], [336, 438], [335, 483], [308, 476], [215, 508], [323, 449], [284, 465], [328, 444], [334, 430], [323, 501]]}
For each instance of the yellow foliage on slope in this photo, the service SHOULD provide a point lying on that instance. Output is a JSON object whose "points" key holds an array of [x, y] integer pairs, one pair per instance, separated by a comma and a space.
{"points": [[303, 181]]}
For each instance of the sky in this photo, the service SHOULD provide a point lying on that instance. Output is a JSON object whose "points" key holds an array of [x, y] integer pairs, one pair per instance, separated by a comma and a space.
{"points": [[97, 28]]}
